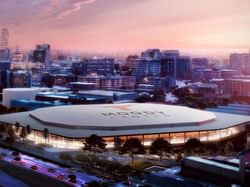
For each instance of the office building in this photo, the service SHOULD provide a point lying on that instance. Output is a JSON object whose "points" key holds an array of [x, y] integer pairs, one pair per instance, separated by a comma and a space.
{"points": [[169, 60], [50, 80], [199, 63], [20, 79], [4, 38], [42, 54], [98, 66], [154, 54], [109, 82], [4, 54], [183, 68], [143, 67], [240, 62]]}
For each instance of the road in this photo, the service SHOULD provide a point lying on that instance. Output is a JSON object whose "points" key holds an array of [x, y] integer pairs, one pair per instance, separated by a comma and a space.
{"points": [[7, 181], [43, 166]]}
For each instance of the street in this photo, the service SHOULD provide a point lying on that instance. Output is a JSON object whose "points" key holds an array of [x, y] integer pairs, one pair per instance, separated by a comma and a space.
{"points": [[60, 173]]}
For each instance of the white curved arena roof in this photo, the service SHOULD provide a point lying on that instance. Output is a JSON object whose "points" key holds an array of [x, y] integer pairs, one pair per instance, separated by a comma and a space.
{"points": [[120, 116], [80, 121]]}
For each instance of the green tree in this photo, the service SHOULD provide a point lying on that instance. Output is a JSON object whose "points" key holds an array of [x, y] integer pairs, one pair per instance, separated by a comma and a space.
{"points": [[65, 157], [117, 143], [133, 146], [46, 134], [17, 127], [3, 109], [93, 142], [143, 98], [82, 158], [159, 95], [23, 133], [3, 128], [28, 128], [125, 169], [193, 145], [11, 137], [112, 166], [229, 148], [160, 146]]}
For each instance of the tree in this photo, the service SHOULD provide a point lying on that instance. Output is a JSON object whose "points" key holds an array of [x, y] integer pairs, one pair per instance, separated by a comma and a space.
{"points": [[193, 145], [11, 137], [65, 157], [159, 95], [117, 143], [143, 98], [159, 146], [3, 109], [125, 169], [229, 148], [112, 166], [23, 133], [133, 146], [17, 127], [28, 128], [72, 178], [82, 158], [46, 134], [3, 128], [94, 142]]}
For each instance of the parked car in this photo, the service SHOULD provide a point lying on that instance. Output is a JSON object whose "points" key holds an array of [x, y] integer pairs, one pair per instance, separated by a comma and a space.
{"points": [[61, 176], [72, 170], [72, 178], [34, 167], [51, 170]]}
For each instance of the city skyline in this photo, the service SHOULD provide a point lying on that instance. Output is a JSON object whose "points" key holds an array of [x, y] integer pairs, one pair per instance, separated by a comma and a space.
{"points": [[129, 25]]}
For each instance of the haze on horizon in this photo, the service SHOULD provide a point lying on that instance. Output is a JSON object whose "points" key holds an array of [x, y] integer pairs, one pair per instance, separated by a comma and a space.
{"points": [[107, 25]]}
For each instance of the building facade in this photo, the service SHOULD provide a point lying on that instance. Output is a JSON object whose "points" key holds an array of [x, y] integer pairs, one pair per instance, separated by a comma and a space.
{"points": [[102, 66], [110, 82]]}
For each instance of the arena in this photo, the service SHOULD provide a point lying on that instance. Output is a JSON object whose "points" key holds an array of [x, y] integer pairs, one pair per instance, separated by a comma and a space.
{"points": [[69, 125]]}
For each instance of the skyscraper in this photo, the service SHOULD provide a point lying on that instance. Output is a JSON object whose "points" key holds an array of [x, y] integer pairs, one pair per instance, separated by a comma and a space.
{"points": [[42, 53], [4, 39], [183, 68], [240, 62], [169, 60], [98, 66]]}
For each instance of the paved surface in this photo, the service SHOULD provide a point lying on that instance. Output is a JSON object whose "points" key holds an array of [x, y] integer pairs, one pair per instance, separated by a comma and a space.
{"points": [[7, 181], [43, 166]]}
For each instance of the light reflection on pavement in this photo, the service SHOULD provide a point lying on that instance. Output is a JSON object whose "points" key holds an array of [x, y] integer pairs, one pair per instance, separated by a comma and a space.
{"points": [[43, 166]]}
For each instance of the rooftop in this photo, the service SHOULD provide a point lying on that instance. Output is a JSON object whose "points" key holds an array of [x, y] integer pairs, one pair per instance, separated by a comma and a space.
{"points": [[80, 121]]}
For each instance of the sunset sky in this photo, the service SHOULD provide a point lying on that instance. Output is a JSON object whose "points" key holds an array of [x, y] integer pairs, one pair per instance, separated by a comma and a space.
{"points": [[128, 24]]}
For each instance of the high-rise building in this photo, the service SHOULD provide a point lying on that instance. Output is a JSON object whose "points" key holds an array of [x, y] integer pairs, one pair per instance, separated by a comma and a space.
{"points": [[169, 60], [129, 60], [4, 42], [4, 54], [199, 63], [99, 66], [143, 68], [20, 79], [154, 54], [240, 62], [109, 82], [18, 56], [4, 39], [42, 53], [156, 68], [183, 68]]}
